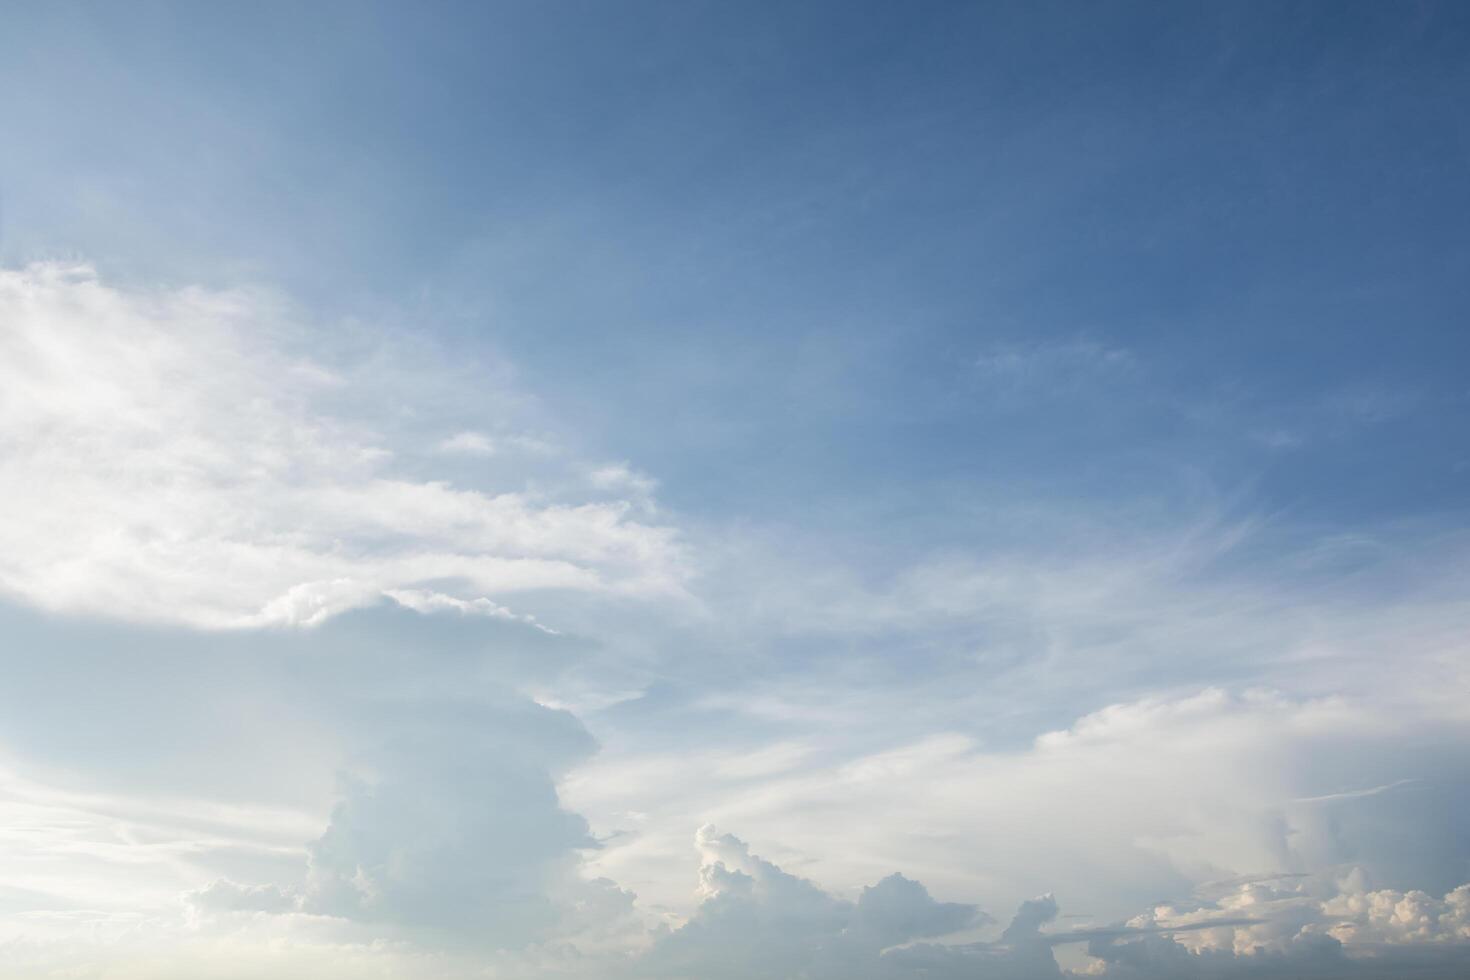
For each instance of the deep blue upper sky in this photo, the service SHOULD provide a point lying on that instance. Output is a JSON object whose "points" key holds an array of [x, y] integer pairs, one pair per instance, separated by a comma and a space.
{"points": [[782, 253]]}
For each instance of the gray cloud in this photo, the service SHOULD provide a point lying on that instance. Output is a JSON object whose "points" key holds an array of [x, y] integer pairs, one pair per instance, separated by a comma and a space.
{"points": [[459, 828], [758, 921]]}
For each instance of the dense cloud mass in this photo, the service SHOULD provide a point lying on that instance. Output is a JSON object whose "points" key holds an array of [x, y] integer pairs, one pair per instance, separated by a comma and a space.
{"points": [[755, 920], [447, 849], [758, 921], [459, 829]]}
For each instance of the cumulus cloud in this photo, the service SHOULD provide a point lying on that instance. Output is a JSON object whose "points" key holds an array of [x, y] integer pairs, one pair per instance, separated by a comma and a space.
{"points": [[445, 834], [1135, 800], [169, 455], [457, 828], [1301, 927], [1358, 914], [757, 921], [450, 854]]}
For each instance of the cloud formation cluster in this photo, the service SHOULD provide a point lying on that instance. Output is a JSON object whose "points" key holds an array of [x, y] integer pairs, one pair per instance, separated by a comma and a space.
{"points": [[179, 457], [756, 921], [450, 852]]}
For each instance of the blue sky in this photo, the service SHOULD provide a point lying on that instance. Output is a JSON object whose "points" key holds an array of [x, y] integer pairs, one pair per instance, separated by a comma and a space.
{"points": [[575, 487]]}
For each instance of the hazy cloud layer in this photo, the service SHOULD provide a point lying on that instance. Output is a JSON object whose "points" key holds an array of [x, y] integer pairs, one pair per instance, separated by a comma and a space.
{"points": [[755, 920], [171, 455]]}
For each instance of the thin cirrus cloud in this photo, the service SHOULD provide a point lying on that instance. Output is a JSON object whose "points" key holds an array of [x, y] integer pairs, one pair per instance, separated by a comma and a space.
{"points": [[164, 464]]}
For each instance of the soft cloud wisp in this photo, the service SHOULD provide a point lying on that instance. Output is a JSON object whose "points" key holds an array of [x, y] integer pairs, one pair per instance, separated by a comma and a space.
{"points": [[167, 459]]}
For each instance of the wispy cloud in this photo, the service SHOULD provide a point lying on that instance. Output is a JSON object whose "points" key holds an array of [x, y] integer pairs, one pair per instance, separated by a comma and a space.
{"points": [[1052, 369], [164, 464], [467, 444]]}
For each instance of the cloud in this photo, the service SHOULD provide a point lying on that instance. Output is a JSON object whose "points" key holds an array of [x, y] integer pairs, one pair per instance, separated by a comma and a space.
{"points": [[1020, 372], [174, 455], [757, 921], [423, 601], [622, 478], [467, 444], [1356, 794], [1391, 916], [458, 828], [450, 853], [224, 895], [1305, 928], [202, 765], [1135, 800]]}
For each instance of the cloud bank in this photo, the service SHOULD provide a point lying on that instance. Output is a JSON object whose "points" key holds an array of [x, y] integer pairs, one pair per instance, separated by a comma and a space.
{"points": [[755, 920]]}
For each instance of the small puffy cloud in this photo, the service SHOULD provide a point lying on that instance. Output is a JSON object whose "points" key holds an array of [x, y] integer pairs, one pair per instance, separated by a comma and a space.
{"points": [[622, 478], [467, 444]]}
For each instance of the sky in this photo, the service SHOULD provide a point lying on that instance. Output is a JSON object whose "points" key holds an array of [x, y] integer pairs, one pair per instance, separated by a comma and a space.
{"points": [[713, 491]]}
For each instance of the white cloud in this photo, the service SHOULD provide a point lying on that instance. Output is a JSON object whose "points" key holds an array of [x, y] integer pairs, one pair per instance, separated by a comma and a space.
{"points": [[622, 478], [467, 444], [226, 896], [458, 830], [755, 920], [423, 601], [1356, 914], [455, 859], [1135, 800], [167, 457]]}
